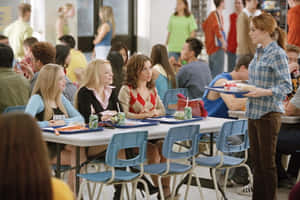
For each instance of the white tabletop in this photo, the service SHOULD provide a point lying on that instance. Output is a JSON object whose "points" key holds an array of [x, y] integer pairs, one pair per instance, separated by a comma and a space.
{"points": [[284, 119], [207, 125]]}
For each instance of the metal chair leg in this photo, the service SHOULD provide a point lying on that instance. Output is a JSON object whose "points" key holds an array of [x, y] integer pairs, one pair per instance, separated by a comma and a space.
{"points": [[133, 192], [122, 191], [188, 187], [249, 173], [100, 190], [215, 183], [90, 193], [199, 185], [226, 179], [161, 192], [146, 188], [81, 190], [173, 187], [127, 191]]}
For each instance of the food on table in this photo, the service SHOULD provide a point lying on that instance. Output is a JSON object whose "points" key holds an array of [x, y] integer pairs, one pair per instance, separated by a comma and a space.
{"points": [[179, 115], [118, 119], [245, 87], [109, 112], [72, 128], [237, 86], [230, 86]]}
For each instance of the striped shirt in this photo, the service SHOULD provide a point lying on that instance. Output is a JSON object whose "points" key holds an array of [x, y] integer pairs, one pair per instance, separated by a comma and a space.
{"points": [[268, 70]]}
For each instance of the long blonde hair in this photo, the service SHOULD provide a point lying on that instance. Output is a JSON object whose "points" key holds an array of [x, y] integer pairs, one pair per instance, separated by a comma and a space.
{"points": [[91, 78], [108, 16], [64, 9], [47, 87]]}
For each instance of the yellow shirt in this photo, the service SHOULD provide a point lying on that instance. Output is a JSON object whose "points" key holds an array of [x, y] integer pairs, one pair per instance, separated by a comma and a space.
{"points": [[61, 190], [77, 61], [17, 32]]}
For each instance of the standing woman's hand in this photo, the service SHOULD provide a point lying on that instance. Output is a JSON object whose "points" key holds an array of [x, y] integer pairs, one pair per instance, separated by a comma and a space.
{"points": [[259, 92]]}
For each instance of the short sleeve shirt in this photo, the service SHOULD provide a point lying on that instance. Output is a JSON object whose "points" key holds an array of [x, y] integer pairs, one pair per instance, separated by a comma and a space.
{"points": [[180, 28]]}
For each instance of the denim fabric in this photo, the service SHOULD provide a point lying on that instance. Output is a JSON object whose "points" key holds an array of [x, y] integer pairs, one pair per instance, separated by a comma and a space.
{"points": [[216, 62], [176, 55], [231, 58]]}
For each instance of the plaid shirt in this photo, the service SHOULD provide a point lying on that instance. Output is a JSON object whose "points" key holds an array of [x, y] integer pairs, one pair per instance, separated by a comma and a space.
{"points": [[269, 70]]}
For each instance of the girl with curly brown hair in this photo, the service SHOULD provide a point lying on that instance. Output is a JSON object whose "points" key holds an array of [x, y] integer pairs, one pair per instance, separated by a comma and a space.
{"points": [[139, 100]]}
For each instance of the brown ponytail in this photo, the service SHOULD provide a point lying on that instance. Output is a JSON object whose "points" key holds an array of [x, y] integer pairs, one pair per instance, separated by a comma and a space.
{"points": [[266, 22], [280, 37]]}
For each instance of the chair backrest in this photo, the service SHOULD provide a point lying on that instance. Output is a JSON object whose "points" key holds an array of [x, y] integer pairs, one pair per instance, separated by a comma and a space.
{"points": [[14, 109], [171, 98], [233, 128], [178, 134], [136, 139]]}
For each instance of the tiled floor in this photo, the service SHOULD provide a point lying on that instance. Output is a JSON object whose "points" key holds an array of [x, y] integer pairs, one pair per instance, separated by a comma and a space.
{"points": [[209, 194]]}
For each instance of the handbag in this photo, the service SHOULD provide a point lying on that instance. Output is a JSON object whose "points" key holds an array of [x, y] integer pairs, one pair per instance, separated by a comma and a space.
{"points": [[197, 106]]}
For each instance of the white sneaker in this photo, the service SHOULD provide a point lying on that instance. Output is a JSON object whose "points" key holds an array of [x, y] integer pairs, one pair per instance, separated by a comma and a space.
{"points": [[246, 190]]}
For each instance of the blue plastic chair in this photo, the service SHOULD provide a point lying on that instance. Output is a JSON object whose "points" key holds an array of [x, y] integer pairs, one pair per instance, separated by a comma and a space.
{"points": [[177, 134], [14, 109], [224, 146], [170, 99], [137, 139]]}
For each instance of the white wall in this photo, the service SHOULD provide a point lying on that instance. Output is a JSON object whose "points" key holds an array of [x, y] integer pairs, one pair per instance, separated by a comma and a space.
{"points": [[44, 17], [229, 8], [161, 12], [153, 18], [143, 25]]}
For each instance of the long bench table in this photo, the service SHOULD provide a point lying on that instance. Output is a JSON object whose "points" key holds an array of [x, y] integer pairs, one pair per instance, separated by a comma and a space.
{"points": [[284, 119], [207, 125]]}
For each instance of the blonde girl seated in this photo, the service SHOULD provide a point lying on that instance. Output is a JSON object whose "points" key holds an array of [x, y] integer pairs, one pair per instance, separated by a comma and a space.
{"points": [[96, 95], [51, 108]]}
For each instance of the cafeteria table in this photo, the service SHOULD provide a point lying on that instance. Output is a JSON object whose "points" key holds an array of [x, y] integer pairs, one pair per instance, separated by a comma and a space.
{"points": [[284, 119], [207, 125]]}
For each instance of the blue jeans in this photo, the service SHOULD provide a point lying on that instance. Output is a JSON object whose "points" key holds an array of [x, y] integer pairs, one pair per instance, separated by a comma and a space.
{"points": [[176, 55], [231, 61], [216, 63]]}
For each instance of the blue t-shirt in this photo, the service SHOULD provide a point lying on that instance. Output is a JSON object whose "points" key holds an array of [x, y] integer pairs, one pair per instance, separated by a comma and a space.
{"points": [[216, 108], [162, 84]]}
